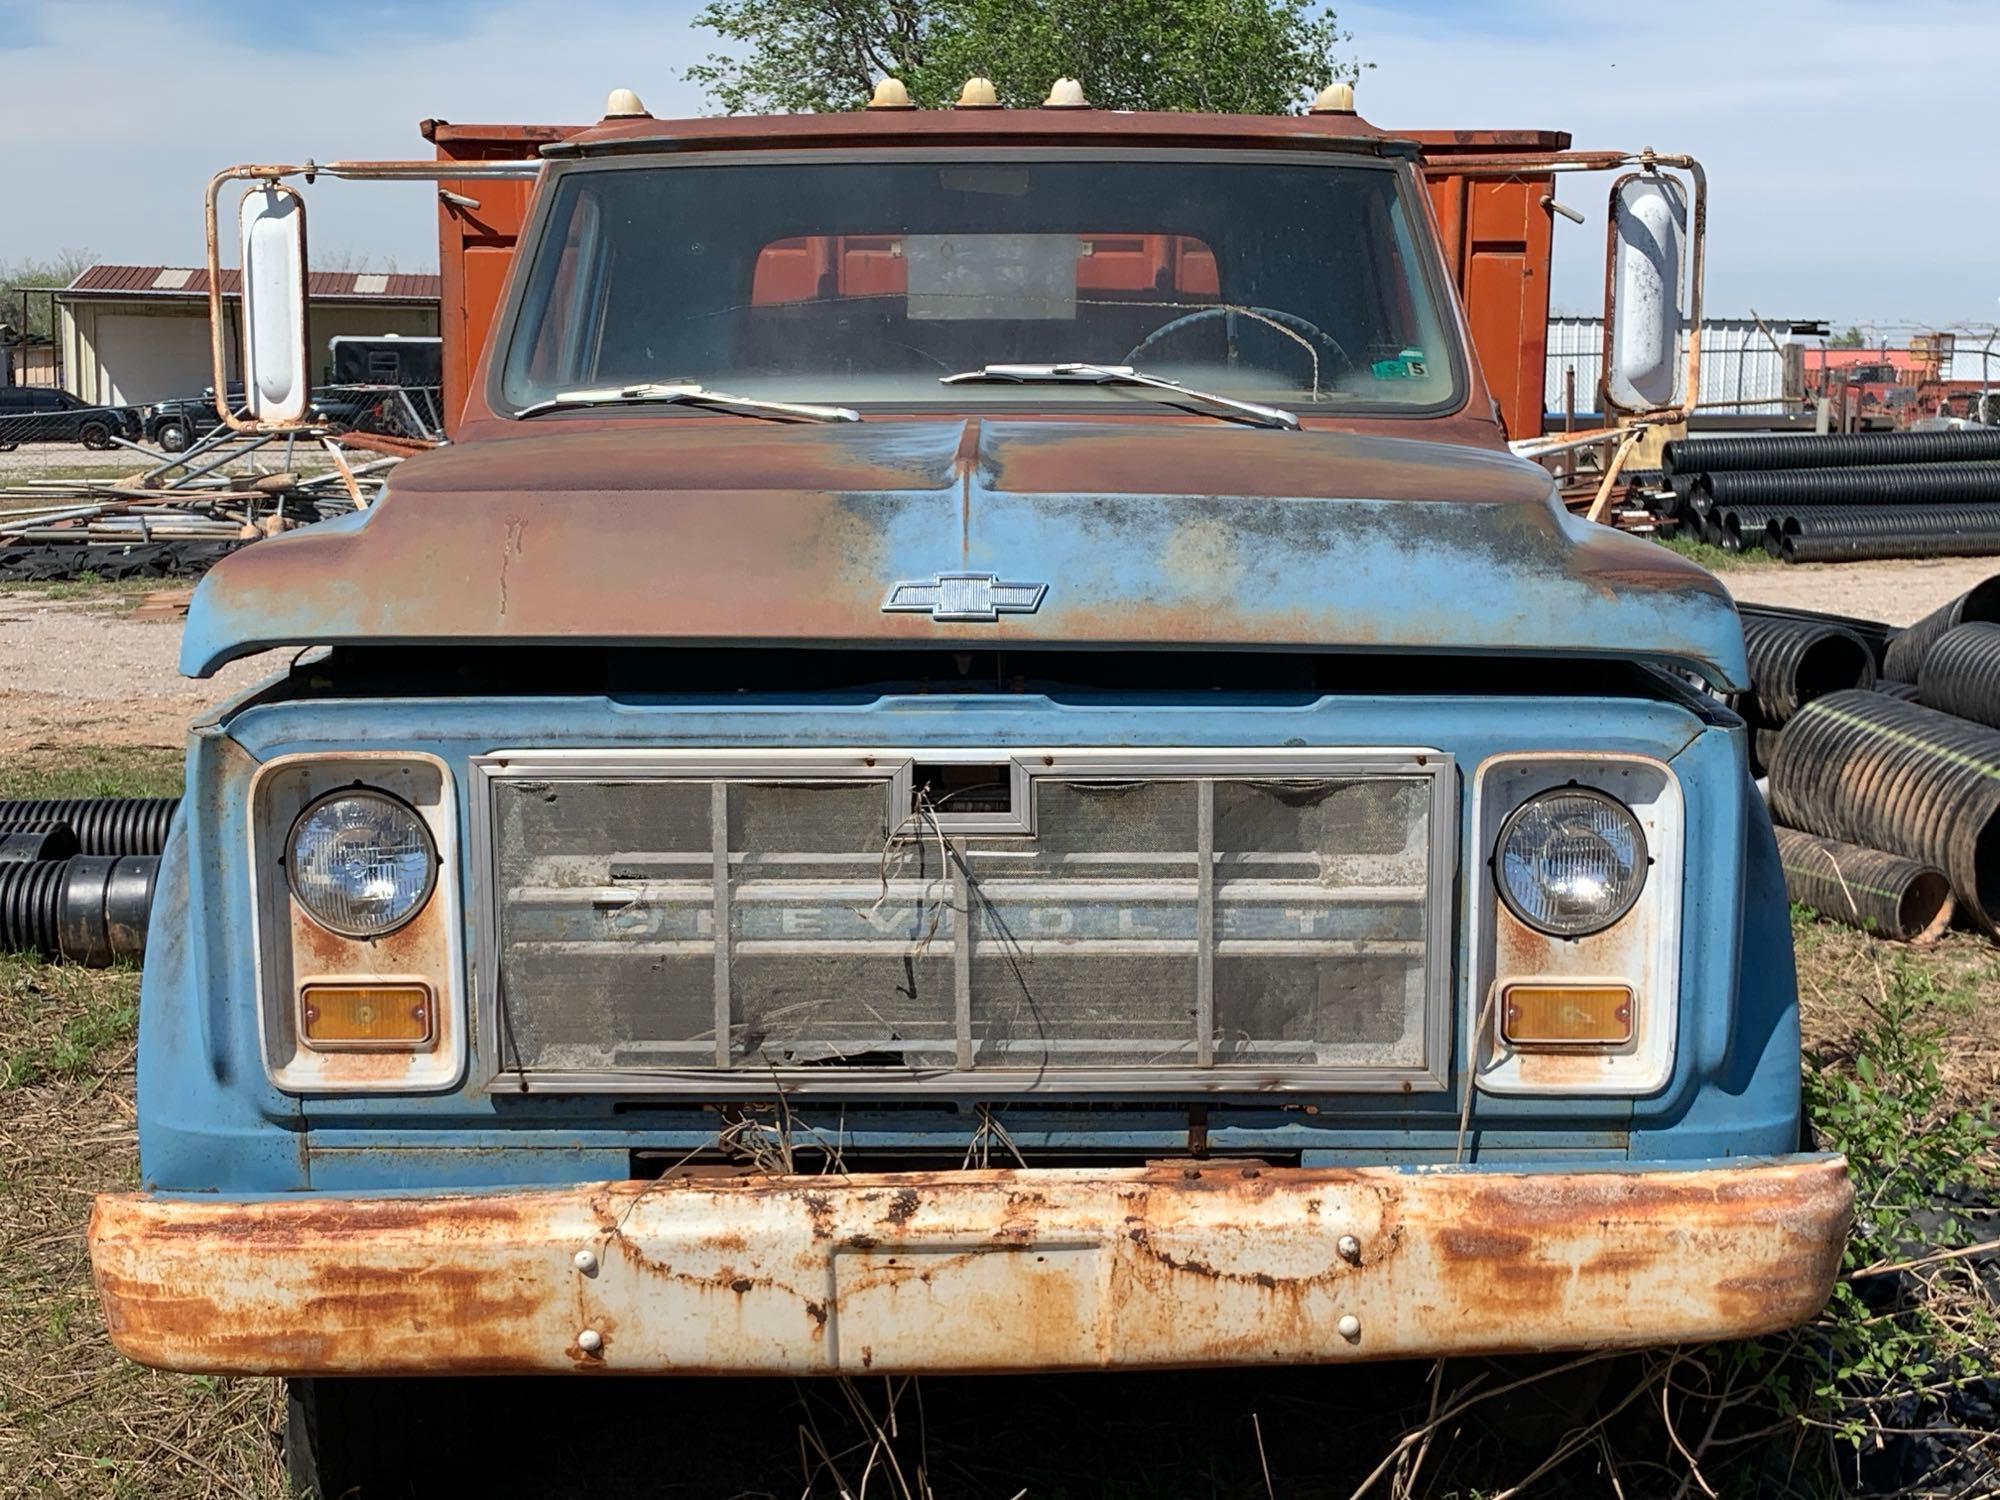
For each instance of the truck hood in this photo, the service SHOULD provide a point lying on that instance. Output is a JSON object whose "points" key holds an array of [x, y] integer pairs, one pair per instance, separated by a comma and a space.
{"points": [[703, 530]]}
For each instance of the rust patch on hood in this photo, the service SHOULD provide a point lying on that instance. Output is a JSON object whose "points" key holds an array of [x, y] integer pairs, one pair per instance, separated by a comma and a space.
{"points": [[1147, 535]]}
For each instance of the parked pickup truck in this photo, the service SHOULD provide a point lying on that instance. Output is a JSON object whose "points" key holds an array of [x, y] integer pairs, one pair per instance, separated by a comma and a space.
{"points": [[978, 759], [37, 414]]}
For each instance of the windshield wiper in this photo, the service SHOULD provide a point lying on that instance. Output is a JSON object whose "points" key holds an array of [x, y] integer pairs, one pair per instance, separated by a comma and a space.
{"points": [[1087, 374], [687, 393]]}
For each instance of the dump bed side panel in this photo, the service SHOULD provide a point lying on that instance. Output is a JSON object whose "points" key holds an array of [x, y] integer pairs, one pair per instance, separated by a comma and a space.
{"points": [[1498, 238], [476, 244]]}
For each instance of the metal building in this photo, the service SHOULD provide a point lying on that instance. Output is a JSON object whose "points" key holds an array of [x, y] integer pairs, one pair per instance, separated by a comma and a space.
{"points": [[1744, 364], [140, 333]]}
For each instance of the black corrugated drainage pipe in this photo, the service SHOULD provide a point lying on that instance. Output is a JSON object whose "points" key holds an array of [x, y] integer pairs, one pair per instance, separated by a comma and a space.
{"points": [[1872, 770], [1961, 673], [30, 897], [1833, 451], [1907, 691], [1905, 654], [1793, 662], [91, 910], [1874, 632], [104, 825], [1763, 750], [49, 841], [1885, 894], [1854, 533], [1892, 484], [1742, 527]]}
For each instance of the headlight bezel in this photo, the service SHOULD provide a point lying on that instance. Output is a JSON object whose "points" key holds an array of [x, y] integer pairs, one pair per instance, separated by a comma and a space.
{"points": [[291, 949], [1641, 866], [359, 791]]}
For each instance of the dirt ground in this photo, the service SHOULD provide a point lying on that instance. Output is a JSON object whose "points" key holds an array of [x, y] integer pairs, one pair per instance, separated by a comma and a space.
{"points": [[78, 670]]}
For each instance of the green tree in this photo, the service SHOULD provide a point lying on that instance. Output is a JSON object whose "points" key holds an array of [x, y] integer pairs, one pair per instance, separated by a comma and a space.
{"points": [[1851, 339], [1249, 56], [57, 270]]}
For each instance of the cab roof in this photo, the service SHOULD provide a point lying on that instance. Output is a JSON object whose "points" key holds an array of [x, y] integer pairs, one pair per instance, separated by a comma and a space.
{"points": [[974, 127]]}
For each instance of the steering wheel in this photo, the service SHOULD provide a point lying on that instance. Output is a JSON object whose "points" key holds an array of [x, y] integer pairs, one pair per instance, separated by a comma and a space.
{"points": [[1292, 329]]}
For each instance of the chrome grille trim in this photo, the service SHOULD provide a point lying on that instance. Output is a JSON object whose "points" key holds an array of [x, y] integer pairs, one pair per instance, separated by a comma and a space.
{"points": [[1199, 1072]]}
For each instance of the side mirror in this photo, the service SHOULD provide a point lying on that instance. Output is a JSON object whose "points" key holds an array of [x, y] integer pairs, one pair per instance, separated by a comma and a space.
{"points": [[1643, 287], [277, 367]]}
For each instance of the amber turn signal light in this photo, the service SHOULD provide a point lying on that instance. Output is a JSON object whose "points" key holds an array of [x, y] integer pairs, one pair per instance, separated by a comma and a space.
{"points": [[350, 1017], [1566, 1015]]}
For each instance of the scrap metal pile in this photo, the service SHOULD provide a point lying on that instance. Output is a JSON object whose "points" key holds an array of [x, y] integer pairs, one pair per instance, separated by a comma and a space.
{"points": [[182, 513], [1842, 496], [77, 875], [1882, 749]]}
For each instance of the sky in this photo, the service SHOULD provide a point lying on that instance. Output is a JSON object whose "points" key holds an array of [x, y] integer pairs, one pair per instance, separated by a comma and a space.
{"points": [[1847, 145]]}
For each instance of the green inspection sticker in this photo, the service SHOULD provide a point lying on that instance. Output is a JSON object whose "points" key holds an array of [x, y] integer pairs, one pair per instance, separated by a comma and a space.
{"points": [[1407, 365]]}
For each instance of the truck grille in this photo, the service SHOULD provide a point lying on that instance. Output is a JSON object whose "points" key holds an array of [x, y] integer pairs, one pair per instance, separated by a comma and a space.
{"points": [[1046, 919]]}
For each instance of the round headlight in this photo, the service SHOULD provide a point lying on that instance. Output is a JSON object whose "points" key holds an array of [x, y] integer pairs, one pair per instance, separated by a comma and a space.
{"points": [[361, 862], [1571, 862]]}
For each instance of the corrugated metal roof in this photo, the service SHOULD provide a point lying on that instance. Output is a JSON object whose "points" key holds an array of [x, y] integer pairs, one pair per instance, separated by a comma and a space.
{"points": [[185, 281], [1738, 363]]}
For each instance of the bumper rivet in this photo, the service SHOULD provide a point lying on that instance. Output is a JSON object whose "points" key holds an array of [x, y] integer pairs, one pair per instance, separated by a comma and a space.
{"points": [[1349, 1326], [1350, 1249], [585, 1261], [590, 1341]]}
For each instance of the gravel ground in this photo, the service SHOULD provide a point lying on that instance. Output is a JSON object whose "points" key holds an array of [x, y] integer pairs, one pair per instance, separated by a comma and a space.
{"points": [[35, 460], [1898, 592], [77, 672]]}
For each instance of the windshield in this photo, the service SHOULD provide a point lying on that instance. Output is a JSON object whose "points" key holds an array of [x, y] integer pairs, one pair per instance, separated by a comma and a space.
{"points": [[1297, 283]]}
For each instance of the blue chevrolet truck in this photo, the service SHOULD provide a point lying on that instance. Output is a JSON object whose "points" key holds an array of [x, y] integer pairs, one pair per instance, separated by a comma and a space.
{"points": [[979, 759]]}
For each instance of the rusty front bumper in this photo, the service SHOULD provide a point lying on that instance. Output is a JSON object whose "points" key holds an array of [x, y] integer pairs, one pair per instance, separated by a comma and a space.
{"points": [[1017, 1270]]}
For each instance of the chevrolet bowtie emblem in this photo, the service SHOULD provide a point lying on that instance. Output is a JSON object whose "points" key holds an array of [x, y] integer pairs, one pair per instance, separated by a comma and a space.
{"points": [[964, 596]]}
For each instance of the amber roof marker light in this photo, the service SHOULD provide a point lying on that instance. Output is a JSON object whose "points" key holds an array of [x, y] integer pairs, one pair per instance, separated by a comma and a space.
{"points": [[890, 93], [624, 105], [1334, 99], [978, 93], [1066, 93]]}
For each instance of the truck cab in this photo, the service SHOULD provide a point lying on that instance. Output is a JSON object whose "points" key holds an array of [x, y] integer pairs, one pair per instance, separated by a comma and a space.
{"points": [[977, 759]]}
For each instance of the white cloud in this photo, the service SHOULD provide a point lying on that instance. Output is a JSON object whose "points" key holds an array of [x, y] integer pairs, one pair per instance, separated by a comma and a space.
{"points": [[1846, 144]]}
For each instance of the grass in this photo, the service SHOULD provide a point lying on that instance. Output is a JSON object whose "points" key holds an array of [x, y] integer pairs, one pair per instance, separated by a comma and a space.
{"points": [[92, 771], [1716, 559], [1903, 1052], [75, 1419]]}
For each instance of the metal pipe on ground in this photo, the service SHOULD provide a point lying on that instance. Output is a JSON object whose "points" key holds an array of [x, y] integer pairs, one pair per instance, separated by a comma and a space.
{"points": [[1793, 662], [91, 909], [103, 825], [1885, 894], [1905, 656], [1872, 770], [1857, 533], [1834, 451], [1960, 674], [1889, 484]]}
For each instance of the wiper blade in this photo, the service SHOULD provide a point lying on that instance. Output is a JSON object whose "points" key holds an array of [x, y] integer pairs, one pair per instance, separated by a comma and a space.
{"points": [[688, 393], [1087, 374]]}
